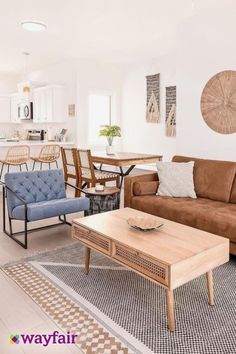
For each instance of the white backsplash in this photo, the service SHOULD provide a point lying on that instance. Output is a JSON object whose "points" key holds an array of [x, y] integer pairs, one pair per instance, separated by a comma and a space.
{"points": [[7, 130]]}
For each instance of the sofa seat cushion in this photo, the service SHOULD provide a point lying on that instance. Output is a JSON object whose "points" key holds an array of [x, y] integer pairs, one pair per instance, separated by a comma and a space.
{"points": [[212, 216], [51, 208]]}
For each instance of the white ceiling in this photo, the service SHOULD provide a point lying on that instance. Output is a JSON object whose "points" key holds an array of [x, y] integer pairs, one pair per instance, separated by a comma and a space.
{"points": [[109, 30]]}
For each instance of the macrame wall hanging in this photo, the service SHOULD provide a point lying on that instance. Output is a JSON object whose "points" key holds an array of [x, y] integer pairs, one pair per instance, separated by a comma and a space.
{"points": [[153, 99], [171, 111], [218, 102]]}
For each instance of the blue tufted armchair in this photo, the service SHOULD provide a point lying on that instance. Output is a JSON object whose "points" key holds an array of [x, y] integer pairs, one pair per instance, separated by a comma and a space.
{"points": [[35, 196]]}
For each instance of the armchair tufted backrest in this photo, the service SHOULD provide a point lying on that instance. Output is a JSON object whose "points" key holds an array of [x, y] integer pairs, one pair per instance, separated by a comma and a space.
{"points": [[33, 187]]}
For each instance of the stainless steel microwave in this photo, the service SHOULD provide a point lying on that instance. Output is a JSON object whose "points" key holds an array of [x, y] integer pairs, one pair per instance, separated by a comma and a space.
{"points": [[25, 110]]}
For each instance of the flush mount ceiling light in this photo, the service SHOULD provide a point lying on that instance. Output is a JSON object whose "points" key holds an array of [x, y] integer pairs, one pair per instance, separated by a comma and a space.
{"points": [[33, 26]]}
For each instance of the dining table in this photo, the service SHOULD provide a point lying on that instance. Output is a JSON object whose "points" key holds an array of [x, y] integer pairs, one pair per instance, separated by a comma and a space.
{"points": [[122, 160]]}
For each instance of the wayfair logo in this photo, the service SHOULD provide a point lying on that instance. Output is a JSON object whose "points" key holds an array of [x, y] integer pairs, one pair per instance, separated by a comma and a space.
{"points": [[14, 339], [44, 339]]}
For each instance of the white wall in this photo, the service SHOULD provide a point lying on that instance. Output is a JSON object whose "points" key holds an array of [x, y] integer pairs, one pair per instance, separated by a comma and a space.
{"points": [[138, 135], [206, 45], [96, 76], [8, 83]]}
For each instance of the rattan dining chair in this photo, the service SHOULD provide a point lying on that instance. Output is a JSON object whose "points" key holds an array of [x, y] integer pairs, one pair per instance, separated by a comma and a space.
{"points": [[17, 155], [49, 154], [69, 167], [87, 175]]}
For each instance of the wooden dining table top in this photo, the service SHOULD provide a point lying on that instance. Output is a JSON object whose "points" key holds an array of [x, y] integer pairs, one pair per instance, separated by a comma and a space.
{"points": [[125, 158]]}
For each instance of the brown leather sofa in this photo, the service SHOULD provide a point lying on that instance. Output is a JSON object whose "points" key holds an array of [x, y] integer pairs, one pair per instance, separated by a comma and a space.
{"points": [[214, 210]]}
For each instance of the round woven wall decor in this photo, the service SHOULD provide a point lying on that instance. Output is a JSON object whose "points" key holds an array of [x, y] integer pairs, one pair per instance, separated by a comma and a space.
{"points": [[218, 102]]}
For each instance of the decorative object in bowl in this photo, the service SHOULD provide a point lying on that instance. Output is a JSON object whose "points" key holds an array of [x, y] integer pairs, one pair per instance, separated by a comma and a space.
{"points": [[99, 188], [144, 223]]}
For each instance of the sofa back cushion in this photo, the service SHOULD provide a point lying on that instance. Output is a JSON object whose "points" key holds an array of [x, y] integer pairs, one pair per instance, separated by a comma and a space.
{"points": [[233, 192], [33, 187], [213, 179]]}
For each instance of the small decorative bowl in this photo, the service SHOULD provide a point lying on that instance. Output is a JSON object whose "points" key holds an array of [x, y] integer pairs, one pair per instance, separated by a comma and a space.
{"points": [[144, 223]]}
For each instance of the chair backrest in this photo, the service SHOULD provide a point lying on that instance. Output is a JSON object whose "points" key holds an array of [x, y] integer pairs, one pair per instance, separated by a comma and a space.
{"points": [[85, 163], [34, 186], [69, 165], [18, 154], [50, 153]]}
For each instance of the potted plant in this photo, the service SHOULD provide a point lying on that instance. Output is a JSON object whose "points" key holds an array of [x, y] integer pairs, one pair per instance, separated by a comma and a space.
{"points": [[110, 132]]}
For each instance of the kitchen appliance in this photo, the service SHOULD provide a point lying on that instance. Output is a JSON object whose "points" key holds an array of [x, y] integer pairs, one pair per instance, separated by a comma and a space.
{"points": [[43, 134], [37, 135], [25, 110], [51, 134], [61, 136]]}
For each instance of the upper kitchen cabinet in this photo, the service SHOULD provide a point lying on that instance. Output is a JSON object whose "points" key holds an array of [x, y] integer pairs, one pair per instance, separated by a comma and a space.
{"points": [[5, 109], [14, 108], [49, 104]]}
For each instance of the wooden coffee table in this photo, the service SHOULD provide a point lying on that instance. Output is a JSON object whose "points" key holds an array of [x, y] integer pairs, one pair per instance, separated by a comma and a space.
{"points": [[171, 256]]}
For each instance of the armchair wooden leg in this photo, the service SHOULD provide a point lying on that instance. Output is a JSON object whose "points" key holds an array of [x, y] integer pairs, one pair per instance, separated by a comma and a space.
{"points": [[33, 166]]}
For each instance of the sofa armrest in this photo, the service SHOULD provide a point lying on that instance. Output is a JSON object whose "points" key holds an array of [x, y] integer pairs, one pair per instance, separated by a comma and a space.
{"points": [[129, 185]]}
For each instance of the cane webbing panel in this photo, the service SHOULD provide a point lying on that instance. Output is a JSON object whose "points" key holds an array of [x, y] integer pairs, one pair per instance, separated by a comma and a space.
{"points": [[92, 239], [140, 262]]}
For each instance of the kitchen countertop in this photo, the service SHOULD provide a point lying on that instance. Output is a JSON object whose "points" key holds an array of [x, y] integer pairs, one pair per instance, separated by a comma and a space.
{"points": [[4, 143]]}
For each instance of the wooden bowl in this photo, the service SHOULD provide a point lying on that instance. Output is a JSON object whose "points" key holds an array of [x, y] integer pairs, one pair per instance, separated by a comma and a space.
{"points": [[144, 223]]}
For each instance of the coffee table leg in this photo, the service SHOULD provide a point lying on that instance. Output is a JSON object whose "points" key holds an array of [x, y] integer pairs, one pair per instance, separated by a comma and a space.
{"points": [[86, 259], [210, 288], [170, 309]]}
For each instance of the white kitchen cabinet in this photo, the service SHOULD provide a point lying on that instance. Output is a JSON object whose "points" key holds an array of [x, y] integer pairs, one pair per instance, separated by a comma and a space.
{"points": [[5, 109], [49, 104], [14, 108]]}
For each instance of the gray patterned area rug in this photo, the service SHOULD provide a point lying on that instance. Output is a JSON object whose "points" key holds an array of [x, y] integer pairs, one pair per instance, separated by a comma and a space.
{"points": [[115, 310]]}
